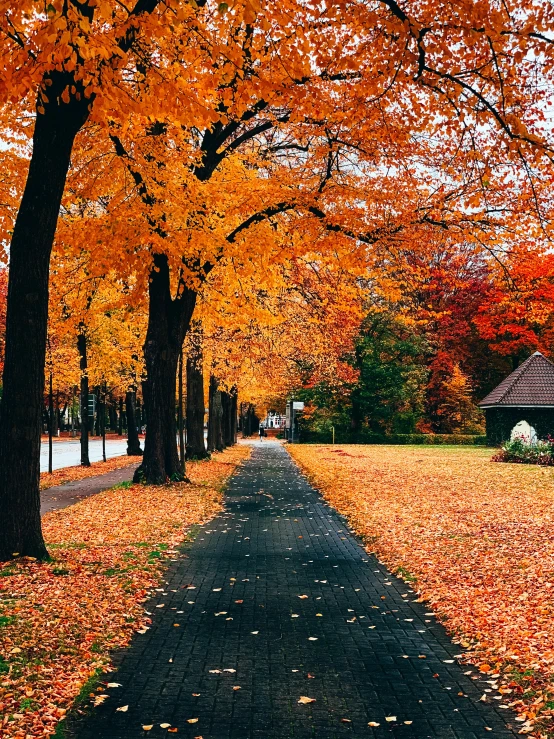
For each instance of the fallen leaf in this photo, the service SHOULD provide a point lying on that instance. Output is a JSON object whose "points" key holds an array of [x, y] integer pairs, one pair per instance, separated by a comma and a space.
{"points": [[390, 718], [373, 723], [192, 721], [123, 709], [305, 699], [147, 727]]}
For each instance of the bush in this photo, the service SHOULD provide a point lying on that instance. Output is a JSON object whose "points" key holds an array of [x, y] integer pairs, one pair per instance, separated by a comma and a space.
{"points": [[366, 437], [523, 452]]}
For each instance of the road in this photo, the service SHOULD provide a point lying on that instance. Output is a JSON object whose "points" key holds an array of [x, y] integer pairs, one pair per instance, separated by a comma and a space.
{"points": [[68, 453]]}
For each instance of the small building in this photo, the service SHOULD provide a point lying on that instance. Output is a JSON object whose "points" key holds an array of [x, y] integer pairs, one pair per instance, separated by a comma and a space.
{"points": [[524, 399]]}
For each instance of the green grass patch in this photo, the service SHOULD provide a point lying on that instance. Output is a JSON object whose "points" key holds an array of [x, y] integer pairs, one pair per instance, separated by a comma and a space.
{"points": [[125, 485], [405, 574]]}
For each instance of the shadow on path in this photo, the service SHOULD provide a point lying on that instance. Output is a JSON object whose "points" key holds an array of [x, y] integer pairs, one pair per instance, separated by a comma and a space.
{"points": [[233, 646]]}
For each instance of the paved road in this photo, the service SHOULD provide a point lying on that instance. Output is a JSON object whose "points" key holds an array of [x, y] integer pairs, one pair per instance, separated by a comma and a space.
{"points": [[276, 600], [68, 453]]}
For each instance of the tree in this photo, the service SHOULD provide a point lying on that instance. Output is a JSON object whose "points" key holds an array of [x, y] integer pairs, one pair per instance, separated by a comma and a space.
{"points": [[196, 448], [42, 56]]}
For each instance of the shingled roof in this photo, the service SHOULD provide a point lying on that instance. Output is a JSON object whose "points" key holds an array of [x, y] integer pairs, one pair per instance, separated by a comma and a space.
{"points": [[531, 384]]}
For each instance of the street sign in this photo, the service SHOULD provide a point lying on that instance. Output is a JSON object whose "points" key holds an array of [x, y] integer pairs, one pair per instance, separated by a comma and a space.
{"points": [[298, 405]]}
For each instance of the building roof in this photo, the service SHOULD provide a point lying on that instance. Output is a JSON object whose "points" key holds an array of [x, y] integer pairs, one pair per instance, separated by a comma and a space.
{"points": [[531, 384]]}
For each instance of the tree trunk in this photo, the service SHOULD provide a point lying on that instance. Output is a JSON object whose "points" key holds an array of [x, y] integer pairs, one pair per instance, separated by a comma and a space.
{"points": [[120, 417], [180, 416], [168, 322], [112, 413], [98, 415], [229, 401], [215, 416], [55, 414], [133, 442], [196, 447], [225, 418], [234, 412], [26, 321], [83, 364]]}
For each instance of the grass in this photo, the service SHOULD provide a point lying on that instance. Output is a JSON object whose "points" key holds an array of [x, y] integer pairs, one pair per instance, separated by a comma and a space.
{"points": [[125, 485]]}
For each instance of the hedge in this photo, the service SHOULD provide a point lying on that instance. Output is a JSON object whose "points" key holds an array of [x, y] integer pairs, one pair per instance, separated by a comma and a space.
{"points": [[325, 437]]}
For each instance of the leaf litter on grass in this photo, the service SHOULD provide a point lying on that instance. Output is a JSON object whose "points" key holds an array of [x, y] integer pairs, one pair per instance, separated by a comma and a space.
{"points": [[60, 620], [475, 539]]}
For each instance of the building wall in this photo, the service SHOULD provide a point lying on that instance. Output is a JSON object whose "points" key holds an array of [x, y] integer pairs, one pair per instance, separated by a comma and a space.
{"points": [[500, 422]]}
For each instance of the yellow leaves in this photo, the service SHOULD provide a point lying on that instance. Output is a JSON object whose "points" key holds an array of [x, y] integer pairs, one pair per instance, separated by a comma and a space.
{"points": [[305, 700]]}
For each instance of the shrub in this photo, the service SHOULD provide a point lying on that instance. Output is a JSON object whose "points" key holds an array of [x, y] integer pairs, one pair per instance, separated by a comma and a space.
{"points": [[522, 452], [366, 437]]}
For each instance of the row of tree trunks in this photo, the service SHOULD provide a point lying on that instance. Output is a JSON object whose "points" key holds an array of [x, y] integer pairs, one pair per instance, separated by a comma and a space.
{"points": [[250, 422], [222, 419], [215, 416], [196, 448]]}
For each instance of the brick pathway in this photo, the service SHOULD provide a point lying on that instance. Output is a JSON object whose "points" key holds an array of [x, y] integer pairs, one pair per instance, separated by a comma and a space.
{"points": [[62, 496], [238, 595]]}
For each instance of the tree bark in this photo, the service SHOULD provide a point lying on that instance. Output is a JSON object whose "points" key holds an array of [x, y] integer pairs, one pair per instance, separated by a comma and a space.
{"points": [[120, 417], [112, 413], [229, 401], [83, 364], [26, 321], [196, 447], [96, 426], [234, 411], [133, 441], [215, 417], [168, 322], [180, 417]]}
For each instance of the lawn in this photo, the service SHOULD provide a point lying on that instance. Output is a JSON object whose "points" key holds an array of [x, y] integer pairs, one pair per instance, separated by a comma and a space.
{"points": [[60, 620], [475, 538]]}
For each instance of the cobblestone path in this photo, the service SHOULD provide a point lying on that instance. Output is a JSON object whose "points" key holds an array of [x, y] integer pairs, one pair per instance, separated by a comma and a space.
{"points": [[276, 600]]}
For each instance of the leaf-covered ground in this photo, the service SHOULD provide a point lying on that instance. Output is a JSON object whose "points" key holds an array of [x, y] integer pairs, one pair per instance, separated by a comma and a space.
{"points": [[476, 538], [59, 621], [69, 474]]}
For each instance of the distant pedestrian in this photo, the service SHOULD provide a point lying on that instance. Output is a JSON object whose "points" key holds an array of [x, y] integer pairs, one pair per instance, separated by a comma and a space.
{"points": [[262, 433]]}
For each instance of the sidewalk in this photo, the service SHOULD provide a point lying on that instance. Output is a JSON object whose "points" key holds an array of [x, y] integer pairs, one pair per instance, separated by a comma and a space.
{"points": [[65, 495], [275, 623]]}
